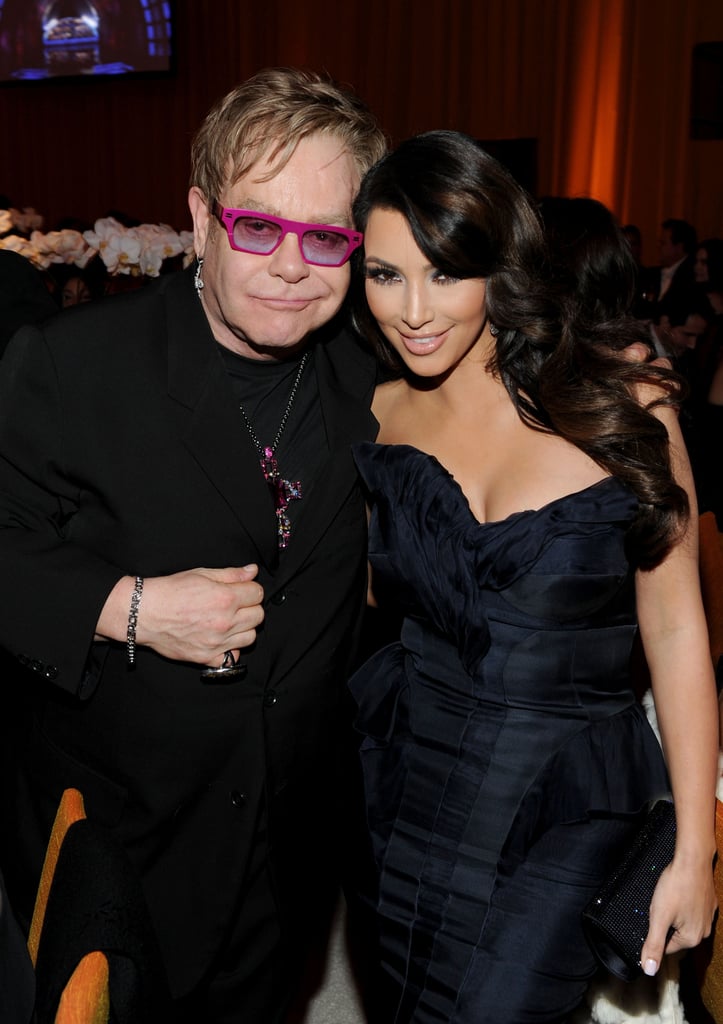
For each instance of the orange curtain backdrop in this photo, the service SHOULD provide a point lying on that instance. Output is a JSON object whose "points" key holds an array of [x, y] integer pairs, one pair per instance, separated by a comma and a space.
{"points": [[621, 124], [602, 85], [656, 163], [591, 48]]}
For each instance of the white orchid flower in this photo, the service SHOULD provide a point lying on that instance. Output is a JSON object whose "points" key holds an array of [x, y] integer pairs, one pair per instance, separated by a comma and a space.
{"points": [[159, 242], [27, 219], [138, 251], [81, 261], [16, 243], [151, 259], [119, 247], [103, 230], [189, 253], [65, 246]]}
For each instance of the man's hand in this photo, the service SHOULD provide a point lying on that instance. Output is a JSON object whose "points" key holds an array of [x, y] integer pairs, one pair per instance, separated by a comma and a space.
{"points": [[195, 615]]}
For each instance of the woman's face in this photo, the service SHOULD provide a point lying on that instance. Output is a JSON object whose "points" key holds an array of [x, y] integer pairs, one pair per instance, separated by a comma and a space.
{"points": [[432, 321], [700, 267], [75, 291]]}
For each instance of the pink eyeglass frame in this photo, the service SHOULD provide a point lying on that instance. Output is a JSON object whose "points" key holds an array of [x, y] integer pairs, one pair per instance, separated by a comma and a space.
{"points": [[227, 215]]}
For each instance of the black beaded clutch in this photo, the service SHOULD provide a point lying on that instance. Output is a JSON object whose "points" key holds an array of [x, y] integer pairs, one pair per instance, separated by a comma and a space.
{"points": [[616, 920]]}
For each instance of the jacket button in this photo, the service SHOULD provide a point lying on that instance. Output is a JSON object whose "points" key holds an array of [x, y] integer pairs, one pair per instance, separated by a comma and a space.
{"points": [[238, 799], [51, 672], [279, 598], [270, 698], [37, 666]]}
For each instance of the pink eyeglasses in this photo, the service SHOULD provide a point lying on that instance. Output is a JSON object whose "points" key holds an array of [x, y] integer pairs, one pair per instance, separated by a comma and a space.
{"points": [[320, 244]]}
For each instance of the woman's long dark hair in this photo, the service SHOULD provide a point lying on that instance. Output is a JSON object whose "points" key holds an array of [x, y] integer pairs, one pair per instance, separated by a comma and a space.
{"points": [[559, 337]]}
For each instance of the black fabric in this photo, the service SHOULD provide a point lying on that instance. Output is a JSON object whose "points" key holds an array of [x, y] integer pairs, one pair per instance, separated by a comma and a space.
{"points": [[505, 756], [17, 978], [95, 903], [253, 979], [24, 297], [680, 286], [263, 389], [121, 453]]}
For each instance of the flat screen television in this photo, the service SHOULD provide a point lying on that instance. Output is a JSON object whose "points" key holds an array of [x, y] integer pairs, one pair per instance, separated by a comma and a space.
{"points": [[45, 39]]}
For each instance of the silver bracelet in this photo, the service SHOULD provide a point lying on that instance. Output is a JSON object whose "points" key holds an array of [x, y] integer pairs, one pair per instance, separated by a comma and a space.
{"points": [[133, 621]]}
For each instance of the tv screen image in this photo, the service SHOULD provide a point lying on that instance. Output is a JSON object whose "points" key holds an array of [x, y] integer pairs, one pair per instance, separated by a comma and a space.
{"points": [[41, 39]]}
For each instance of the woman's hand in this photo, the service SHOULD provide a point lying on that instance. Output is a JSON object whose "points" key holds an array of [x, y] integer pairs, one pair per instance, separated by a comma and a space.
{"points": [[637, 353], [685, 899]]}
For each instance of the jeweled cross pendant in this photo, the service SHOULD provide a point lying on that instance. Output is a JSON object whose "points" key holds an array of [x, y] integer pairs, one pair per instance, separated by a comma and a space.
{"points": [[282, 491]]}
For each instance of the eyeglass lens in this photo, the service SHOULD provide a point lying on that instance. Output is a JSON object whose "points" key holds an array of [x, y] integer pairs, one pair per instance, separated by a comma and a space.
{"points": [[261, 236]]}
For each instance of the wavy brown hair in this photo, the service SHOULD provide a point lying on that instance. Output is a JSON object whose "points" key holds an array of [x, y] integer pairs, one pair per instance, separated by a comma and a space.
{"points": [[559, 361]]}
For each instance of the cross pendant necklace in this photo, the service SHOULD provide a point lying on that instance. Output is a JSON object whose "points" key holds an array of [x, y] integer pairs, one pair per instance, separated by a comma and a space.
{"points": [[282, 491]]}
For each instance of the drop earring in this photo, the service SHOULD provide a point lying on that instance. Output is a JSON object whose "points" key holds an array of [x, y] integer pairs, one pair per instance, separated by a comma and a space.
{"points": [[197, 279], [494, 330]]}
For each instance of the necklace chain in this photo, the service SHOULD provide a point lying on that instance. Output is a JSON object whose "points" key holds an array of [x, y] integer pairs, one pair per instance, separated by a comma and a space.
{"points": [[282, 491], [261, 449]]}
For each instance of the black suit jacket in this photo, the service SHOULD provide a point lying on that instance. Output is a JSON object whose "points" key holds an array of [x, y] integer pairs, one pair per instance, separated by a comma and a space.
{"points": [[681, 284], [122, 452]]}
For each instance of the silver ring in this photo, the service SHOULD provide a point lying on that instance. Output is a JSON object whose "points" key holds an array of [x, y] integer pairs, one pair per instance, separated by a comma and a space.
{"points": [[230, 667]]}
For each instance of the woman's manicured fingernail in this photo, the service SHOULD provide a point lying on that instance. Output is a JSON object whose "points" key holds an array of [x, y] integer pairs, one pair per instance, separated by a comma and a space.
{"points": [[650, 967]]}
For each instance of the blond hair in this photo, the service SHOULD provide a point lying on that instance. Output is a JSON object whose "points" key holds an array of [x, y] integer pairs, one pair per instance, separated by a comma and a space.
{"points": [[268, 115]]}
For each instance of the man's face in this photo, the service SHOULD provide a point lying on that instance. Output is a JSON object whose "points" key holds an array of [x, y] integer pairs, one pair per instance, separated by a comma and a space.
{"points": [[265, 306], [670, 251], [687, 335]]}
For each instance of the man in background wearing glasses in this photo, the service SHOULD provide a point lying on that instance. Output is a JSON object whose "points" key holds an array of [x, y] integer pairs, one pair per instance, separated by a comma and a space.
{"points": [[183, 549]]}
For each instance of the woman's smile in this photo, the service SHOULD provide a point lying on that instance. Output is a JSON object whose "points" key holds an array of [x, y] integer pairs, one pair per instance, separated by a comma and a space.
{"points": [[433, 320]]}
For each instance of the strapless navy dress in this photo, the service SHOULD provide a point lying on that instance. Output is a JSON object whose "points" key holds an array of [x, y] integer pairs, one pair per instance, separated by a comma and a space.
{"points": [[505, 756]]}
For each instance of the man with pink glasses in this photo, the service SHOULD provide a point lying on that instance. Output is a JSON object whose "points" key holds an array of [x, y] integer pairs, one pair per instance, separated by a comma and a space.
{"points": [[182, 537]]}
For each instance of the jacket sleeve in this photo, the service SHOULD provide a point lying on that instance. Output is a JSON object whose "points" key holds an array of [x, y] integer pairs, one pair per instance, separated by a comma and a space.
{"points": [[51, 589]]}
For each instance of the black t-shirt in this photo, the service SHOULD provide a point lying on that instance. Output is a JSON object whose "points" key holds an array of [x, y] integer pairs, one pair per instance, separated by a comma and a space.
{"points": [[263, 388]]}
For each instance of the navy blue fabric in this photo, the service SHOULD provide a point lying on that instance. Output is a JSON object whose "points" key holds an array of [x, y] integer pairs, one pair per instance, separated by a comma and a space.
{"points": [[505, 756]]}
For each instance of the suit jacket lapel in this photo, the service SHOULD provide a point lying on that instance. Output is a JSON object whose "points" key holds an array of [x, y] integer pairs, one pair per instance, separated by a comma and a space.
{"points": [[346, 378], [216, 438], [215, 435]]}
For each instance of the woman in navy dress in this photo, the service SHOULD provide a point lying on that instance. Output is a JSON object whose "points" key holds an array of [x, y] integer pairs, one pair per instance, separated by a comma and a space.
{"points": [[531, 512]]}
